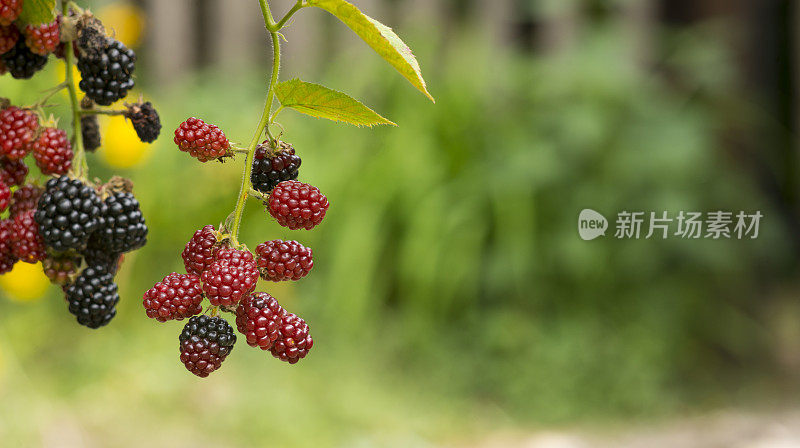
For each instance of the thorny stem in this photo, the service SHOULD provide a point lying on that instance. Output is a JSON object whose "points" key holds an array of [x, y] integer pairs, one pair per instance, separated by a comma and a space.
{"points": [[79, 165], [244, 191], [101, 112]]}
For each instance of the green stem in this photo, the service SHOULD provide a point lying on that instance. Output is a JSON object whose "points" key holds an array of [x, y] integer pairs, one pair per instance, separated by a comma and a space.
{"points": [[101, 112], [79, 165], [262, 123], [297, 7]]}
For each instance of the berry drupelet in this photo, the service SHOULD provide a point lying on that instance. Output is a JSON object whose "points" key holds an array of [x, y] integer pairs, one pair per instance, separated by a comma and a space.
{"points": [[205, 342]]}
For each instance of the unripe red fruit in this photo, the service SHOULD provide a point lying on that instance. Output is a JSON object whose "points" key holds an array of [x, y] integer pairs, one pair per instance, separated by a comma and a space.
{"points": [[17, 127], [53, 152], [5, 196], [200, 251], [42, 39], [25, 198], [258, 318], [297, 205], [177, 296], [230, 278], [8, 37], [294, 341], [9, 11], [201, 140], [283, 260], [13, 172], [7, 258], [27, 244]]}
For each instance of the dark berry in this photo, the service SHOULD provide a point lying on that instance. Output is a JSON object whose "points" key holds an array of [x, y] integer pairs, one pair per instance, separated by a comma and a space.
{"points": [[201, 250], [273, 166], [204, 343], [7, 258], [52, 152], [231, 277], [9, 11], [13, 172], [107, 74], [110, 261], [27, 244], [90, 130], [43, 39], [17, 129], [177, 296], [25, 198], [201, 140], [68, 213], [294, 340], [283, 260], [9, 35], [297, 205], [93, 297], [21, 62], [61, 269], [122, 227], [258, 318], [146, 121]]}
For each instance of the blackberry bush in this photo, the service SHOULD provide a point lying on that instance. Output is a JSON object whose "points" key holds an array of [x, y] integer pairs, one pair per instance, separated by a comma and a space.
{"points": [[60, 217], [228, 272]]}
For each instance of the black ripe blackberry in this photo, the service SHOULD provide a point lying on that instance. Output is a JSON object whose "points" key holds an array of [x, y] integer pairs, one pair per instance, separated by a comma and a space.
{"points": [[68, 213], [90, 130], [21, 62], [93, 297], [273, 166], [146, 121], [205, 342], [122, 227], [106, 74], [110, 261]]}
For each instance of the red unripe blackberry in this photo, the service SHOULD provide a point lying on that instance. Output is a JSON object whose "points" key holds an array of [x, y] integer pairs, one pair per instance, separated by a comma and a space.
{"points": [[5, 196], [273, 166], [21, 62], [17, 128], [61, 269], [90, 130], [202, 140], [201, 250], [294, 340], [27, 244], [230, 278], [177, 296], [283, 260], [107, 74], [43, 39], [205, 342], [93, 297], [297, 205], [9, 11], [145, 120], [68, 213], [7, 258], [9, 35], [258, 318], [25, 198], [53, 151], [13, 172]]}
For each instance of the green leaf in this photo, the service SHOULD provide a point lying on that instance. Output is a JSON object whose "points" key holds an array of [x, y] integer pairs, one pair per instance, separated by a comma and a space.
{"points": [[380, 37], [322, 102], [37, 12]]}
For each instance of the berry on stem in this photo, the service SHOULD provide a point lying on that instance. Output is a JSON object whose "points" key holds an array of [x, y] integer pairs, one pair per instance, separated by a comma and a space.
{"points": [[68, 213], [17, 129], [273, 166], [7, 258], [294, 340], [93, 297], [122, 227], [21, 62], [27, 244], [201, 250], [43, 39], [201, 140], [297, 205], [205, 342], [90, 131], [177, 296], [283, 260], [13, 172], [258, 318], [231, 277], [107, 74], [9, 35], [9, 11], [25, 198], [52, 152], [145, 120]]}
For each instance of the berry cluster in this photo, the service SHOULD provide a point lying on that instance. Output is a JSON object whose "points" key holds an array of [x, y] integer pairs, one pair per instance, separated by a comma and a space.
{"points": [[78, 230], [226, 273]]}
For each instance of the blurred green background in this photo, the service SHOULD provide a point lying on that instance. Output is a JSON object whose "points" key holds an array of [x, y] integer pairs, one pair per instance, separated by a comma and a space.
{"points": [[451, 295]]}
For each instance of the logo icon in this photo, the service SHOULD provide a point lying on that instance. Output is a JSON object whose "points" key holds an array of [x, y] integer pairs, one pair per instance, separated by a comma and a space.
{"points": [[591, 224]]}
